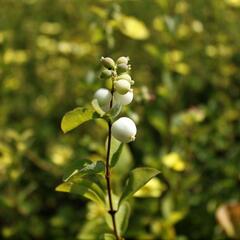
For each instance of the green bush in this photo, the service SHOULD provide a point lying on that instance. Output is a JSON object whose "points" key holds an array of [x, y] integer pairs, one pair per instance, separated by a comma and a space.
{"points": [[185, 57]]}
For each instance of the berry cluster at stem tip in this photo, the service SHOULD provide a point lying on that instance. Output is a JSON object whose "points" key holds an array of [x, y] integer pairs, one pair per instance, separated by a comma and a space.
{"points": [[121, 94]]}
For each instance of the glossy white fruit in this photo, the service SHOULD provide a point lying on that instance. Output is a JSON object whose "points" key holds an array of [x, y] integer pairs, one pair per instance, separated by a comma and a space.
{"points": [[124, 130], [122, 86], [123, 99], [103, 96]]}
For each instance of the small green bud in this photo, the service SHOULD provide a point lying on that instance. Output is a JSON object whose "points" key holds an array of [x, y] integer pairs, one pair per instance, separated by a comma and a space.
{"points": [[122, 86], [108, 62], [122, 60], [105, 74], [121, 68], [127, 77]]}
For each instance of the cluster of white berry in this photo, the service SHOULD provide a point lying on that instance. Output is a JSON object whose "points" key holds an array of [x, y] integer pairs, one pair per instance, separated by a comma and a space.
{"points": [[123, 129]]}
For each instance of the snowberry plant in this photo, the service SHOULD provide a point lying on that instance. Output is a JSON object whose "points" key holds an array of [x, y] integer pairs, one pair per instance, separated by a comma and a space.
{"points": [[92, 179]]}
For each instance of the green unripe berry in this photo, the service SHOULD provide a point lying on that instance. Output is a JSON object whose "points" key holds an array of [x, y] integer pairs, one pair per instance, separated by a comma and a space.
{"points": [[122, 60], [127, 77], [122, 67], [108, 62], [105, 74], [122, 86]]}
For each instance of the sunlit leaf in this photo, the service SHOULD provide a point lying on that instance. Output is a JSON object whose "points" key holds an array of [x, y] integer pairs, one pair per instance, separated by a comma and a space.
{"points": [[176, 216], [97, 108], [233, 3], [137, 179], [174, 161], [133, 28], [153, 188], [108, 236], [76, 117]]}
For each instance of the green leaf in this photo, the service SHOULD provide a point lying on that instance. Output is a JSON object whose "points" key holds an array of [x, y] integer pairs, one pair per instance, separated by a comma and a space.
{"points": [[137, 179], [77, 117], [124, 164], [94, 178], [84, 188], [92, 229], [75, 165], [122, 217], [95, 167], [115, 110], [87, 169], [97, 107], [107, 236], [115, 152], [133, 28]]}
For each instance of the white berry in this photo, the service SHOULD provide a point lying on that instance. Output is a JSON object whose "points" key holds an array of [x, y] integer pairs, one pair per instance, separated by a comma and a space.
{"points": [[103, 96], [123, 99], [124, 130]]}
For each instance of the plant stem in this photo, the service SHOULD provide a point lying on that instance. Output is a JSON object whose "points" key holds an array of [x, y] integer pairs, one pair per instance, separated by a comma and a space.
{"points": [[112, 212]]}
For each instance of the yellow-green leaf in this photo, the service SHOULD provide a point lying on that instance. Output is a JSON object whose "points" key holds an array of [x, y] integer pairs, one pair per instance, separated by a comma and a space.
{"points": [[133, 28], [76, 117], [174, 161], [122, 217]]}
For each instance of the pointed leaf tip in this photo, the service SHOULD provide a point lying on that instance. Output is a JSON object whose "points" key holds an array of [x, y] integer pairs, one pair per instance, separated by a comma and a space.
{"points": [[138, 177]]}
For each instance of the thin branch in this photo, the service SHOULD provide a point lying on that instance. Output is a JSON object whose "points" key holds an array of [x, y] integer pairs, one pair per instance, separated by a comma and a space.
{"points": [[112, 212]]}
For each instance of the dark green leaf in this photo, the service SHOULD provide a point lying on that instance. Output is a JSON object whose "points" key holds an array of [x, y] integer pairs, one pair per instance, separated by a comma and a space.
{"points": [[137, 179], [87, 169], [76, 117], [84, 188], [75, 165]]}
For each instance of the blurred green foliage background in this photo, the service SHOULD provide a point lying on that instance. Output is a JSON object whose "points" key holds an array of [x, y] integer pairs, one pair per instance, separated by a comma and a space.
{"points": [[185, 57]]}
